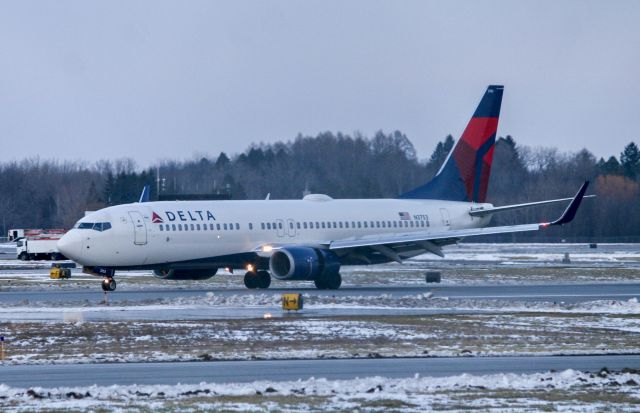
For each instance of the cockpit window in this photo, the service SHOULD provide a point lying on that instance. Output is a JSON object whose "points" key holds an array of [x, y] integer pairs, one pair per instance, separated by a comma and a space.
{"points": [[97, 226]]}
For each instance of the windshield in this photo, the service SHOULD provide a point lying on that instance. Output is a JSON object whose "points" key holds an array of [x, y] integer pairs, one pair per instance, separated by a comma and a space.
{"points": [[97, 226]]}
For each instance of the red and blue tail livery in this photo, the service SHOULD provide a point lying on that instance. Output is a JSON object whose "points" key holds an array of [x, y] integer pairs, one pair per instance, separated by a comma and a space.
{"points": [[465, 173]]}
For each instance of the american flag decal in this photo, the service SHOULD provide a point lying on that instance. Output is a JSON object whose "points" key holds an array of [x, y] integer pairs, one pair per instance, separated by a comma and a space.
{"points": [[155, 218], [404, 216]]}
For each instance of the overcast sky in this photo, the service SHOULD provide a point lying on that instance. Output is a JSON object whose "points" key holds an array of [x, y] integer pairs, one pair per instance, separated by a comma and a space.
{"points": [[156, 80]]}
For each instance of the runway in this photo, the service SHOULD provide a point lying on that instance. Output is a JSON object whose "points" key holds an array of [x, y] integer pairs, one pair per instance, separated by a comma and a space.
{"points": [[573, 292], [234, 303], [291, 370]]}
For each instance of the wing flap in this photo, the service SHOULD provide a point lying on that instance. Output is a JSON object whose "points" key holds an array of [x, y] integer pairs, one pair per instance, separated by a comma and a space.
{"points": [[426, 236]]}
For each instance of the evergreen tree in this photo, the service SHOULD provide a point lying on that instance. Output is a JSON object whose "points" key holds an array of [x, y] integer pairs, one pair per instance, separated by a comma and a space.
{"points": [[630, 160]]}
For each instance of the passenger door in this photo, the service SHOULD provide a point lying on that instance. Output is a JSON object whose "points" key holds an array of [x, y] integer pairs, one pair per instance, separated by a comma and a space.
{"points": [[139, 228], [446, 219]]}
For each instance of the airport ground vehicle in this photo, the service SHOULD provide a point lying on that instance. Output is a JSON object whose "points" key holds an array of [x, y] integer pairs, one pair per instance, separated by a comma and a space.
{"points": [[17, 233], [41, 247]]}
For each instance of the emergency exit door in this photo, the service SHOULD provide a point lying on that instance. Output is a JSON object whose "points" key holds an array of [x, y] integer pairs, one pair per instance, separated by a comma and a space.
{"points": [[139, 228]]}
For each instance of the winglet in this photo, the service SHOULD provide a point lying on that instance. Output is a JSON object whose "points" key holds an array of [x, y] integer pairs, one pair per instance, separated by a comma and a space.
{"points": [[570, 213], [144, 196]]}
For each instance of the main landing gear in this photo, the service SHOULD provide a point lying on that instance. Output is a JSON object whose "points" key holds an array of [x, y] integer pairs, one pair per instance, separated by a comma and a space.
{"points": [[331, 281], [108, 284], [260, 279]]}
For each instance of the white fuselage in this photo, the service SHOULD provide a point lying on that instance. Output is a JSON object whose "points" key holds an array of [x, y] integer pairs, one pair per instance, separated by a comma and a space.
{"points": [[154, 234]]}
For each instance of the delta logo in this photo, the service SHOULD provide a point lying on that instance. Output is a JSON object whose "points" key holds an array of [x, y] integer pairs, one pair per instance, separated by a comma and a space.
{"points": [[184, 216]]}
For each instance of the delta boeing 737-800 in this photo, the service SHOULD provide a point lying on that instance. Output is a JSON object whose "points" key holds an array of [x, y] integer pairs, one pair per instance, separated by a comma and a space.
{"points": [[308, 239]]}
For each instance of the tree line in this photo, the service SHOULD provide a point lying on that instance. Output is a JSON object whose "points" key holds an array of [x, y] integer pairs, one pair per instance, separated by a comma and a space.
{"points": [[36, 193]]}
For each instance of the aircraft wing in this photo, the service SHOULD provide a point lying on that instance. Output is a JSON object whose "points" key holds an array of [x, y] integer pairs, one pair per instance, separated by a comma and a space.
{"points": [[397, 247]]}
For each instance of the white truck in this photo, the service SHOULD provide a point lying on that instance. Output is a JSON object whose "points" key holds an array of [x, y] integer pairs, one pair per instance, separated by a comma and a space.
{"points": [[38, 244]]}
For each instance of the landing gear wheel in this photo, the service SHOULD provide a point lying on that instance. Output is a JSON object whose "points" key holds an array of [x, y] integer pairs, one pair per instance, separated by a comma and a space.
{"points": [[333, 281], [264, 279], [251, 280], [109, 284], [320, 284]]}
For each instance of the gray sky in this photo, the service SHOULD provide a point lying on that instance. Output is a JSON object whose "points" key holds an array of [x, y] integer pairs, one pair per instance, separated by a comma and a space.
{"points": [[157, 80]]}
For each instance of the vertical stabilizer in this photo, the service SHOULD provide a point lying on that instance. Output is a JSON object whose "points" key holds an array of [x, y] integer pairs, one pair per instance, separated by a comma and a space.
{"points": [[464, 176]]}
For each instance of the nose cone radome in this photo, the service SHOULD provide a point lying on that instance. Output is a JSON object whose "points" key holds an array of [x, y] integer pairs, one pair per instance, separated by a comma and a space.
{"points": [[70, 245]]}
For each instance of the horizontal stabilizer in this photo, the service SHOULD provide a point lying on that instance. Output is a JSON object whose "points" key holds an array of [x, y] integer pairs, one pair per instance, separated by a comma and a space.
{"points": [[488, 211]]}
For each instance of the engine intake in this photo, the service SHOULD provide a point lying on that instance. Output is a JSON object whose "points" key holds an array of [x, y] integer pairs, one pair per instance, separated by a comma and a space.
{"points": [[303, 263], [204, 274]]}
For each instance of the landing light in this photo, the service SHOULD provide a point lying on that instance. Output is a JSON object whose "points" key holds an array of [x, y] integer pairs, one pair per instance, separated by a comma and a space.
{"points": [[267, 248], [250, 267]]}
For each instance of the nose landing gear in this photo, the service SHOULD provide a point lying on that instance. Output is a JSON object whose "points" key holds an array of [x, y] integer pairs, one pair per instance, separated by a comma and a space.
{"points": [[108, 284]]}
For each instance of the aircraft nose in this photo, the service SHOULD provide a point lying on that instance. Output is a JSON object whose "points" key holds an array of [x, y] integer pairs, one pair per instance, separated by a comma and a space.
{"points": [[70, 245]]}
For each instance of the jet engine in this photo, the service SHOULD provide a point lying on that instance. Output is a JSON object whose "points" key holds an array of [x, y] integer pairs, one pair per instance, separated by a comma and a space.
{"points": [[303, 263], [203, 274]]}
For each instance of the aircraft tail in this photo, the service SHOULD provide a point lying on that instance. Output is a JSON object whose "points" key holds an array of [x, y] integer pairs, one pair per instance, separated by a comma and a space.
{"points": [[464, 176]]}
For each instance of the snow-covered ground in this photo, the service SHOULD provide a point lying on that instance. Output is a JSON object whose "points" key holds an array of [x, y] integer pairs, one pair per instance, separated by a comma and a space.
{"points": [[566, 391], [596, 329]]}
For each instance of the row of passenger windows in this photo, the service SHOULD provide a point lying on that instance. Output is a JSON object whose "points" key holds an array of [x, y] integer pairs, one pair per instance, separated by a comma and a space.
{"points": [[345, 224], [298, 225], [199, 227]]}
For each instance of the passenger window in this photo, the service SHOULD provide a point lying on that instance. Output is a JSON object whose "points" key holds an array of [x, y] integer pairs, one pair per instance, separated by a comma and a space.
{"points": [[340, 224], [317, 225], [268, 225], [211, 227], [262, 225], [173, 227], [224, 226], [298, 225], [250, 225], [365, 224], [218, 227], [193, 228], [161, 228], [280, 225], [323, 225], [359, 224], [179, 227], [335, 225], [237, 227], [304, 225], [290, 225]]}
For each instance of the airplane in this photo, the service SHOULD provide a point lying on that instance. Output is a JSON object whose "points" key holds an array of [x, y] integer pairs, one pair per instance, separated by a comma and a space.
{"points": [[308, 239]]}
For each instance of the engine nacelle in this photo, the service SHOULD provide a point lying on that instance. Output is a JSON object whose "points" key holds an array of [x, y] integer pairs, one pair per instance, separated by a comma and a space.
{"points": [[185, 274], [302, 263]]}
